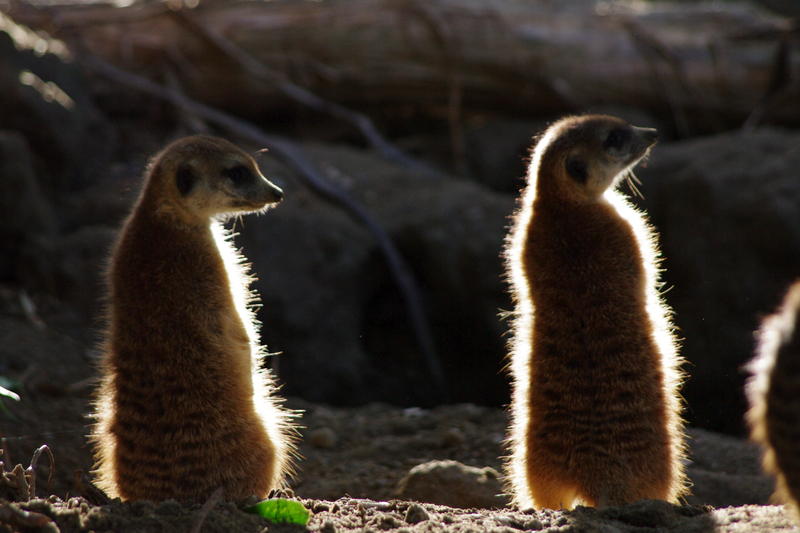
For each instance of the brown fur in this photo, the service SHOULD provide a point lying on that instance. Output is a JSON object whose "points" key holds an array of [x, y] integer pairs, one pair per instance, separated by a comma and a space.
{"points": [[184, 407], [595, 412], [774, 393]]}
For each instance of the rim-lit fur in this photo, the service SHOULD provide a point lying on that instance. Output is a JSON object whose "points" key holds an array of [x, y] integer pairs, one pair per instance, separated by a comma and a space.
{"points": [[593, 356], [774, 393], [184, 406]]}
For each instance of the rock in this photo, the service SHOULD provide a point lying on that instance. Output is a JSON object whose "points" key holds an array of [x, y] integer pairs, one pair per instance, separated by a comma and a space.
{"points": [[726, 209], [453, 484], [27, 214], [330, 303], [642, 515], [328, 527], [46, 98], [452, 438], [497, 152], [416, 514], [323, 437], [725, 471], [72, 267]]}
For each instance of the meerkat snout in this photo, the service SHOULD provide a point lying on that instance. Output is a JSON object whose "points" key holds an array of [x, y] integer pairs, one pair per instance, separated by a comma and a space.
{"points": [[650, 135], [628, 144], [267, 192], [249, 188]]}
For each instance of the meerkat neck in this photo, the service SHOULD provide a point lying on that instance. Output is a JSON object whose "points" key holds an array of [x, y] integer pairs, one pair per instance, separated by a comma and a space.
{"points": [[172, 214]]}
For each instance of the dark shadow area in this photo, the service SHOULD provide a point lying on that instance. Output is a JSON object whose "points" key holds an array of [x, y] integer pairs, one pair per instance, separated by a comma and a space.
{"points": [[643, 515]]}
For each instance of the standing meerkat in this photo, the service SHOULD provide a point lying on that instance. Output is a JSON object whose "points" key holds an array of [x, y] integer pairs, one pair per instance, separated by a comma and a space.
{"points": [[595, 408], [184, 407], [774, 394]]}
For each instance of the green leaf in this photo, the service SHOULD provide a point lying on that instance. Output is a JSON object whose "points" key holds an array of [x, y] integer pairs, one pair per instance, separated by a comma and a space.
{"points": [[281, 511]]}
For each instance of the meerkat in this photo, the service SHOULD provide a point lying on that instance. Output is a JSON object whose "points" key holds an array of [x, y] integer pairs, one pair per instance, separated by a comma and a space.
{"points": [[774, 393], [184, 407], [595, 409]]}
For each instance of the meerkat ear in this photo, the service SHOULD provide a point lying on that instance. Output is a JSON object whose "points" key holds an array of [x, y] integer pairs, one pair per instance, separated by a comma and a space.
{"points": [[185, 179], [576, 168]]}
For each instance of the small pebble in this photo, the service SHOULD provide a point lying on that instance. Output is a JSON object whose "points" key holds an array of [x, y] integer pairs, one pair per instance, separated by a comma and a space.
{"points": [[328, 527], [323, 437], [321, 507], [416, 514], [452, 438]]}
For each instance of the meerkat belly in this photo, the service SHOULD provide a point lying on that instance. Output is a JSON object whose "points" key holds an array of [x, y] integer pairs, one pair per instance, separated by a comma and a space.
{"points": [[190, 409], [596, 380], [175, 429]]}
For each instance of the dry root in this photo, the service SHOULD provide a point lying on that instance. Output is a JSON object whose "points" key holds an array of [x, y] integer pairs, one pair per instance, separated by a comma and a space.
{"points": [[19, 484]]}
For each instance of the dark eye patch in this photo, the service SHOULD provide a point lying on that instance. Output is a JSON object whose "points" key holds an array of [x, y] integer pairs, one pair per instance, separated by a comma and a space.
{"points": [[185, 179], [617, 138], [239, 175], [576, 168]]}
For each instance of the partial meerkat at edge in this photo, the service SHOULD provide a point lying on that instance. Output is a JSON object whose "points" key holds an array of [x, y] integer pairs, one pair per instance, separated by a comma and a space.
{"points": [[184, 407], [774, 394], [595, 407]]}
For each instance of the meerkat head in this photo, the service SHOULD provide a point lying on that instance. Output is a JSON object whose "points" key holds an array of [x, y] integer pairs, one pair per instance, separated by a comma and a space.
{"points": [[589, 154], [204, 177]]}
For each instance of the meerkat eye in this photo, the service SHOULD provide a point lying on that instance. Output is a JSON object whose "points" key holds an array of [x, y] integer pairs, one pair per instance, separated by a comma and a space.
{"points": [[239, 175], [185, 179], [616, 139], [576, 168]]}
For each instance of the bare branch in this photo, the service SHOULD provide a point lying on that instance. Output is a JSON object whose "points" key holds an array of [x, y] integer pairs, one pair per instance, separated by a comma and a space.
{"points": [[12, 515], [258, 70], [202, 514], [31, 470]]}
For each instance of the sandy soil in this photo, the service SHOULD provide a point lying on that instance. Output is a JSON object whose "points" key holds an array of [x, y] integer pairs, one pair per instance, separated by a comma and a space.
{"points": [[353, 462]]}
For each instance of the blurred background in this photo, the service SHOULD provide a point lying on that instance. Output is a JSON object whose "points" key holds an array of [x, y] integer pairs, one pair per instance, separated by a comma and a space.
{"points": [[399, 130]]}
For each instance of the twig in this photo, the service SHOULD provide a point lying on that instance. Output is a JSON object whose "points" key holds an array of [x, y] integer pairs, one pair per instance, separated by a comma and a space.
{"points": [[82, 386], [84, 487], [440, 32], [20, 484], [19, 518], [29, 308], [31, 470], [258, 70], [293, 156], [202, 514]]}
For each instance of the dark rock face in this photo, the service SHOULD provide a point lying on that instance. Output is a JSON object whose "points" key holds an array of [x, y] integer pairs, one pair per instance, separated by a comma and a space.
{"points": [[728, 211], [27, 214], [46, 98], [497, 153], [725, 471], [52, 143], [331, 305]]}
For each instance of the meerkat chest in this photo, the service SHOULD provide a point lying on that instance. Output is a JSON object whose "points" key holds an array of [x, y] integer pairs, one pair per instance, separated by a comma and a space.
{"points": [[564, 249]]}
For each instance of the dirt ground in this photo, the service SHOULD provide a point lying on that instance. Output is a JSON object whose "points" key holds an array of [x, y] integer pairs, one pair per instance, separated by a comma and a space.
{"points": [[351, 467]]}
